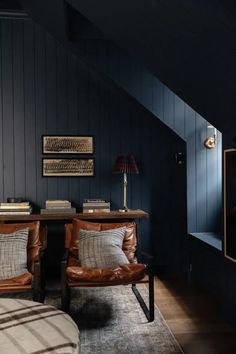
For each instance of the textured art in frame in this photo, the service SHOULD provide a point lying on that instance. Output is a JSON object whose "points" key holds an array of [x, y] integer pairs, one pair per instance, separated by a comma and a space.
{"points": [[62, 144], [68, 167]]}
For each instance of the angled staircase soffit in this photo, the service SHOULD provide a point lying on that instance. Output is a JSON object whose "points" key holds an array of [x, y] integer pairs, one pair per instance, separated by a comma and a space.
{"points": [[61, 31], [188, 45]]}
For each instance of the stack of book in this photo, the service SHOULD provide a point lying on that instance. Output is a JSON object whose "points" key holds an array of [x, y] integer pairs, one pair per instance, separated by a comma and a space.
{"points": [[96, 206], [58, 207], [21, 208]]}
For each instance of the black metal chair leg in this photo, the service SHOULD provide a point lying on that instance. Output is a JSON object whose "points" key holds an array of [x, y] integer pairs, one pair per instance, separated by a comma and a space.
{"points": [[151, 298], [65, 298], [65, 290], [37, 290], [149, 313]]}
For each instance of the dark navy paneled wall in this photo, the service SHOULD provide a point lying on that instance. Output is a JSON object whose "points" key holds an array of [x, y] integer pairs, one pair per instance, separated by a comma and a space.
{"points": [[46, 90], [204, 169]]}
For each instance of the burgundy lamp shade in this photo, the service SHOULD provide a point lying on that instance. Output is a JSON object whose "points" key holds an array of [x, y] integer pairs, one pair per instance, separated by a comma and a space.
{"points": [[125, 164]]}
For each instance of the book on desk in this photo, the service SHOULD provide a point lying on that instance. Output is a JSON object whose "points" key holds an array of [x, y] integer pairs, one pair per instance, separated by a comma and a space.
{"points": [[17, 208], [58, 207], [96, 206], [58, 211]]}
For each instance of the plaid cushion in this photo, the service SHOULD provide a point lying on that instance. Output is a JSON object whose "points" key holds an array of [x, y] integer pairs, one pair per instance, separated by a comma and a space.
{"points": [[13, 254], [102, 249]]}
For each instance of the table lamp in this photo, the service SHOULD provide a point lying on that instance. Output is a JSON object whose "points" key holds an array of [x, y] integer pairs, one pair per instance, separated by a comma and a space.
{"points": [[125, 164]]}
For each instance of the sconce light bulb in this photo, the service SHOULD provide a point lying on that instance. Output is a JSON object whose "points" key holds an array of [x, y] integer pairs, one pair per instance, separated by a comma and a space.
{"points": [[210, 143]]}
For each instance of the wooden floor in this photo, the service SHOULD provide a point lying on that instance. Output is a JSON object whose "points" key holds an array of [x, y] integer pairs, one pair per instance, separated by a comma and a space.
{"points": [[193, 317]]}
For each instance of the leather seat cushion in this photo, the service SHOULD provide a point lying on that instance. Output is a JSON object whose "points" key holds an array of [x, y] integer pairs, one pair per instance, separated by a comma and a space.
{"points": [[23, 279], [123, 274]]}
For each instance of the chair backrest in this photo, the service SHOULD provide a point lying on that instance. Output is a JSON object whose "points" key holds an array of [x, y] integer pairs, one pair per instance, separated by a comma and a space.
{"points": [[34, 244], [129, 243]]}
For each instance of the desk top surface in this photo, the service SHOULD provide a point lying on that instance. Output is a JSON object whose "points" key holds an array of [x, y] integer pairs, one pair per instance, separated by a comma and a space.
{"points": [[114, 214]]}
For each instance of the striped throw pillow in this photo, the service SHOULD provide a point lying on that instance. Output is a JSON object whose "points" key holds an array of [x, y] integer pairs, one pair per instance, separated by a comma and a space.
{"points": [[13, 254], [102, 249]]}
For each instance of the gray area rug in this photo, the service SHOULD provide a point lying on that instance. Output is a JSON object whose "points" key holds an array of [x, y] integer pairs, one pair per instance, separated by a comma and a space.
{"points": [[111, 321]]}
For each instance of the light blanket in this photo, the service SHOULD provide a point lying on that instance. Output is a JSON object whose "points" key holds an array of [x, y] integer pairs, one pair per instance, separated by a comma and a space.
{"points": [[28, 327]]}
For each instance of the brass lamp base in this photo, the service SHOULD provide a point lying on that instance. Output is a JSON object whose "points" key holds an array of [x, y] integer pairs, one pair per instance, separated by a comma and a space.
{"points": [[124, 210]]}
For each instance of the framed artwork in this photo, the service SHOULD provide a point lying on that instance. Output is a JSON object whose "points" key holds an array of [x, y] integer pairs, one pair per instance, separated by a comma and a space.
{"points": [[63, 144], [68, 167]]}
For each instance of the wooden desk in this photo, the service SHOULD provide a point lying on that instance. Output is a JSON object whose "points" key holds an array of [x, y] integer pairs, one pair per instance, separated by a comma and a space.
{"points": [[114, 214]]}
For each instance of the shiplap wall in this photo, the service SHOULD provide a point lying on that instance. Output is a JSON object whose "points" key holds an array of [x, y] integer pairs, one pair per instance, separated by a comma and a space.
{"points": [[204, 166], [46, 90]]}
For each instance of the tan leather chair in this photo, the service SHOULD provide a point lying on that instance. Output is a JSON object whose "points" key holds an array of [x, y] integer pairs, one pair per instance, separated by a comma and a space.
{"points": [[73, 275], [33, 280]]}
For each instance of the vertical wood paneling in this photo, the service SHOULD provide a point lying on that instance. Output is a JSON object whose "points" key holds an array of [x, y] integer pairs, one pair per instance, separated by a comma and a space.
{"points": [[201, 179], [136, 80], [72, 92], [83, 120], [51, 103], [147, 89], [101, 57], [29, 100], [116, 123], [135, 136], [126, 143], [169, 108], [45, 90], [48, 91], [113, 62], [40, 110], [18, 104], [94, 126], [72, 113], [1, 120], [158, 97], [211, 182], [62, 118], [190, 133], [158, 215], [104, 129], [61, 80], [179, 121], [106, 155], [125, 72], [168, 111], [113, 59], [161, 225], [146, 170], [7, 110]]}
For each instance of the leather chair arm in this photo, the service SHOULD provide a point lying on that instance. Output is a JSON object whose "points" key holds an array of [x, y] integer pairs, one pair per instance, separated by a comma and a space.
{"points": [[122, 274]]}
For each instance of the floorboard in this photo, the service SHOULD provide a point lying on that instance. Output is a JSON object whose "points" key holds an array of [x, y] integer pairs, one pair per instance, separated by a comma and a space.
{"points": [[193, 317]]}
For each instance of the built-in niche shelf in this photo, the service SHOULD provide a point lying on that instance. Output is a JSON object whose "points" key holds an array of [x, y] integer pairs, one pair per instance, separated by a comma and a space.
{"points": [[211, 238]]}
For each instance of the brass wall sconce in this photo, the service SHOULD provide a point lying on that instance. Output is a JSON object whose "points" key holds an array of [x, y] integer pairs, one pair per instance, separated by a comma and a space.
{"points": [[211, 142]]}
